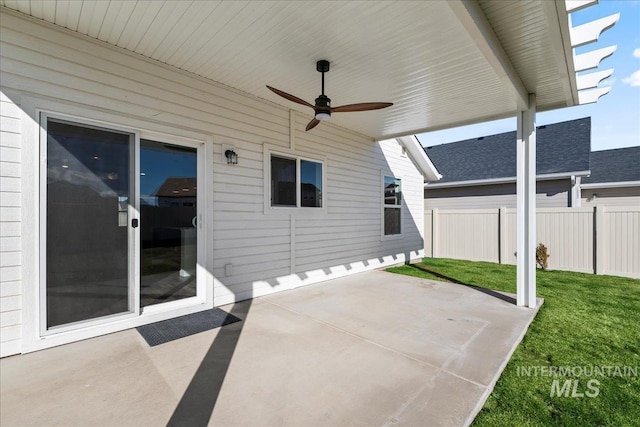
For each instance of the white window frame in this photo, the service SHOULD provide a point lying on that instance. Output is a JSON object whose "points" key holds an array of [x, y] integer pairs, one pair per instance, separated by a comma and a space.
{"points": [[289, 154], [383, 236]]}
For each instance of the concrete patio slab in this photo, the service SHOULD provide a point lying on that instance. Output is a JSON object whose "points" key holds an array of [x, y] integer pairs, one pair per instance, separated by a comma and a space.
{"points": [[369, 349]]}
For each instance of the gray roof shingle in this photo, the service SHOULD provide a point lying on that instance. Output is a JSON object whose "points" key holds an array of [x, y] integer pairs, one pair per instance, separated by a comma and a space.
{"points": [[560, 148], [621, 164]]}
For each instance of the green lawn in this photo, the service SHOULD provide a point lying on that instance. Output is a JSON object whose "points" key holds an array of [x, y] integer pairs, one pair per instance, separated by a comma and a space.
{"points": [[586, 321]]}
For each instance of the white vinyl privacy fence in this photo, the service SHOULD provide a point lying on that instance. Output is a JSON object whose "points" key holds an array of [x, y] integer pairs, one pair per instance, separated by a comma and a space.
{"points": [[600, 240]]}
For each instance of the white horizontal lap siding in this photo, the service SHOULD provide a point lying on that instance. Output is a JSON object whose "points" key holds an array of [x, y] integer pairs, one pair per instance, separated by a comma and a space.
{"points": [[327, 240], [348, 237], [622, 196], [10, 226], [256, 247], [550, 194], [466, 202]]}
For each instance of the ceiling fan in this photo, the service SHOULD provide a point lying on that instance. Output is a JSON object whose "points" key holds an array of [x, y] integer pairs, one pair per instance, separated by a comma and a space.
{"points": [[323, 108]]}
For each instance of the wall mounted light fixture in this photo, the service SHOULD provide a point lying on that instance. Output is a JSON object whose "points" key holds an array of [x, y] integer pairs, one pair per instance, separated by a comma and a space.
{"points": [[232, 156]]}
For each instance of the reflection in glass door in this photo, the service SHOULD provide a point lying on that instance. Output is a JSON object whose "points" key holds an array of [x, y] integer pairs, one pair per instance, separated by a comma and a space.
{"points": [[88, 190], [168, 221]]}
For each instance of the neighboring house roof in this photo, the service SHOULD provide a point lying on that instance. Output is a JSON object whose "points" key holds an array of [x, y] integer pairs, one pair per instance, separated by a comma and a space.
{"points": [[562, 149], [310, 188], [177, 187], [614, 166]]}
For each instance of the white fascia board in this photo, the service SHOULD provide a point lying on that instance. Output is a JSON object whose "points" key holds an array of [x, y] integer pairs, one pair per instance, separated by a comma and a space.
{"points": [[558, 29], [474, 21], [619, 184], [506, 180], [575, 5], [419, 157], [471, 183], [551, 176]]}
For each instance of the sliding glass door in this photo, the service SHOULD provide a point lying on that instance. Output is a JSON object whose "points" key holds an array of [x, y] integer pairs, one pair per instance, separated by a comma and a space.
{"points": [[168, 214], [119, 224], [88, 191]]}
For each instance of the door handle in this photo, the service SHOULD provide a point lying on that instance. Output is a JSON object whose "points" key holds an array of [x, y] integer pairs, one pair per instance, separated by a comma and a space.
{"points": [[134, 223]]}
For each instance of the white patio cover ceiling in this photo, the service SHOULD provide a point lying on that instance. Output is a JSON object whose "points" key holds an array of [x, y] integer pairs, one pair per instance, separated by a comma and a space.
{"points": [[442, 64]]}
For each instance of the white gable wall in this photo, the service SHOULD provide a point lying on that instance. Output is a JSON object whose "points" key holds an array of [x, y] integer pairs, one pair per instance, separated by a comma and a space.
{"points": [[268, 250]]}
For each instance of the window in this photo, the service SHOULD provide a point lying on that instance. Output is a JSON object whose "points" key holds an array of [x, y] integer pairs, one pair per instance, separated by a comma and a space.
{"points": [[392, 206], [295, 182], [310, 184], [283, 181]]}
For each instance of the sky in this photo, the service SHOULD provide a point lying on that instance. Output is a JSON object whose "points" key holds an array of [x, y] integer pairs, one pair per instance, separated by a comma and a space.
{"points": [[615, 118]]}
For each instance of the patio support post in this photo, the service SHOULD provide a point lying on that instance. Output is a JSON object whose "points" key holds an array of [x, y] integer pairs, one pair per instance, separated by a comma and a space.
{"points": [[526, 205]]}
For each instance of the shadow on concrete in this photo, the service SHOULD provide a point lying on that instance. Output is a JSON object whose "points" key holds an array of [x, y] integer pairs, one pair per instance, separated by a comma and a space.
{"points": [[196, 405], [495, 294]]}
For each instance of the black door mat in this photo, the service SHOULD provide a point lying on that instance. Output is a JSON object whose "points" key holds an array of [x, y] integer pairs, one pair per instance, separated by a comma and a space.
{"points": [[183, 326]]}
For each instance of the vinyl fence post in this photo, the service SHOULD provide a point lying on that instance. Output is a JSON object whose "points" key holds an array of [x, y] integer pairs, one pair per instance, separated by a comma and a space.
{"points": [[434, 233], [599, 241], [502, 238]]}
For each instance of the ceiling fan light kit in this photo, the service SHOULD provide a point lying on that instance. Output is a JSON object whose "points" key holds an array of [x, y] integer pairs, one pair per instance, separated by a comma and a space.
{"points": [[322, 107]]}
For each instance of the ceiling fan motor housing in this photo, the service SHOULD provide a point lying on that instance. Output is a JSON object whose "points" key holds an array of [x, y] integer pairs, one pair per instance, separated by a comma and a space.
{"points": [[323, 107], [322, 65]]}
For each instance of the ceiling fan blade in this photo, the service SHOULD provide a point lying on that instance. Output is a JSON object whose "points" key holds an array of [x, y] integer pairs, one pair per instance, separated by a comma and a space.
{"points": [[313, 123], [365, 106], [289, 96]]}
